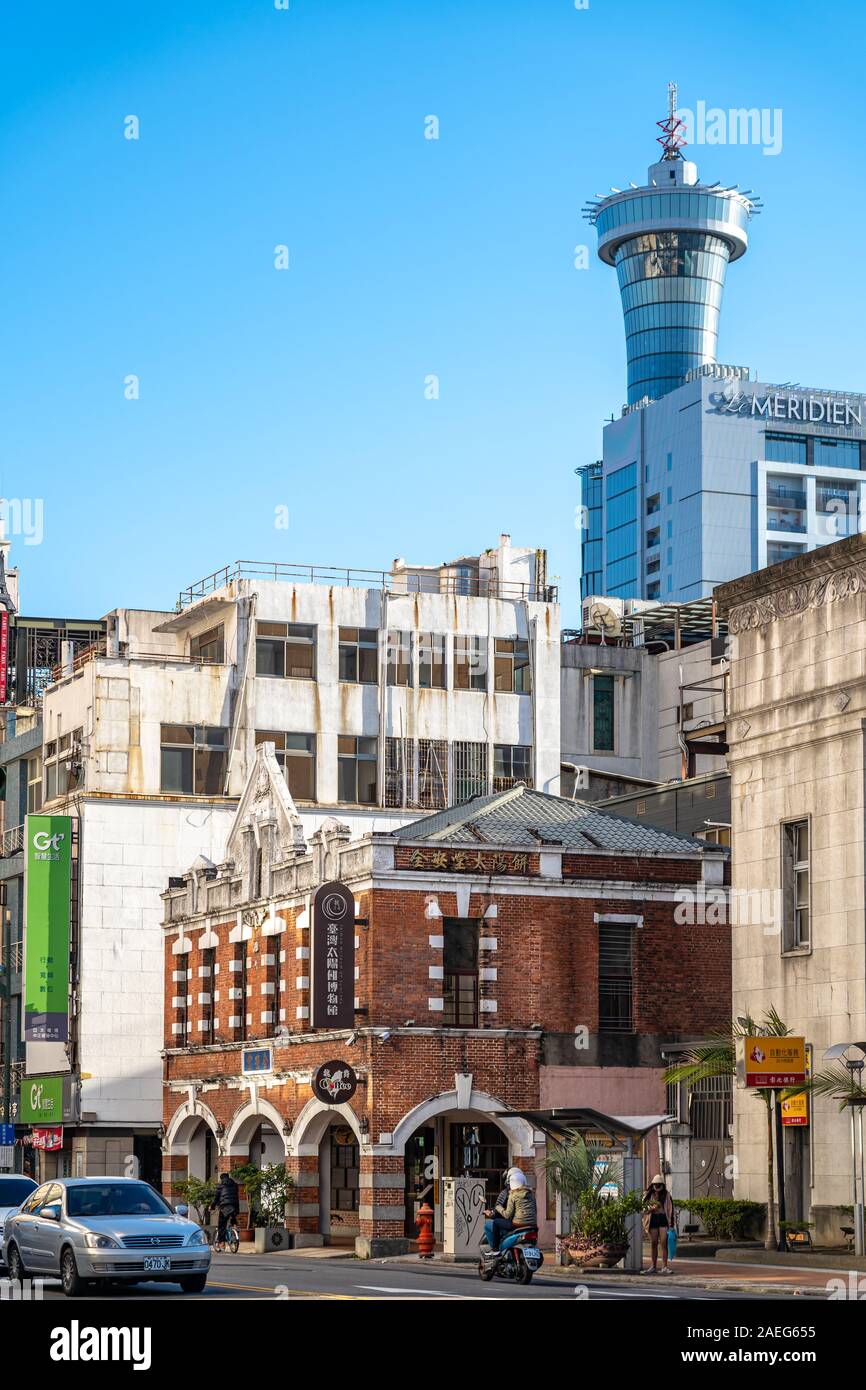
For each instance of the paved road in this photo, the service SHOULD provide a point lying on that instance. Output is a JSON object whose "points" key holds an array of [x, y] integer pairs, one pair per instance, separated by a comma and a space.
{"points": [[246, 1276]]}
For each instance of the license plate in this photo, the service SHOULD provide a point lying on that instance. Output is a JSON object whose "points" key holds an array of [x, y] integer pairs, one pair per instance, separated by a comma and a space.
{"points": [[156, 1263], [530, 1252]]}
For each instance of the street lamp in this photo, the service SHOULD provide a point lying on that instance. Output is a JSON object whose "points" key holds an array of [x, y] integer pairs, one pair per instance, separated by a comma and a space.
{"points": [[853, 1056]]}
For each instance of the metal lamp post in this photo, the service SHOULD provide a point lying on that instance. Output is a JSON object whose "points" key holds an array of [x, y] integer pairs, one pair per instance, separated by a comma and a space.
{"points": [[855, 1065]]}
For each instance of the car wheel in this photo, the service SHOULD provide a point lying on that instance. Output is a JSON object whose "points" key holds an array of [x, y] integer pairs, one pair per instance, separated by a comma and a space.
{"points": [[15, 1265], [73, 1284], [194, 1283]]}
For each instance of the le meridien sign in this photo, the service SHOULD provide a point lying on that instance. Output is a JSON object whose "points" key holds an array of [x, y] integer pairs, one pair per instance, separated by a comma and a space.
{"points": [[779, 405]]}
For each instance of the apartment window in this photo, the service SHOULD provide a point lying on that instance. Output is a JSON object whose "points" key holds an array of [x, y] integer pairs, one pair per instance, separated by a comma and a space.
{"points": [[399, 658], [470, 770], [796, 878], [431, 661], [208, 985], [359, 655], [511, 764], [777, 551], [286, 649], [653, 504], [356, 769], [616, 977], [399, 771], [511, 665], [208, 646], [470, 663], [62, 767], [603, 718], [296, 755], [653, 537], [34, 784], [653, 566], [193, 759], [653, 589], [460, 960], [432, 773]]}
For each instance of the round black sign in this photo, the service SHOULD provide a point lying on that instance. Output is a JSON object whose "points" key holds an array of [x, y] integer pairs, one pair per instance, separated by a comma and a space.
{"points": [[334, 1082]]}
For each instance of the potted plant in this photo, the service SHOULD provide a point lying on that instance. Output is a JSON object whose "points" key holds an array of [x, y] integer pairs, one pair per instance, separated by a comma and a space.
{"points": [[267, 1190], [588, 1179], [199, 1194]]}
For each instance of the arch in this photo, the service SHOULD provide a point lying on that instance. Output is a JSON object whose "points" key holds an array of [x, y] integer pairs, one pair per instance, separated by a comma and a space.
{"points": [[520, 1132], [244, 1121], [182, 1124], [312, 1122]]}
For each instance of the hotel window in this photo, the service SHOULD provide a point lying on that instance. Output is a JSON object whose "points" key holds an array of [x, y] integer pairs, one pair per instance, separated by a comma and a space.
{"points": [[837, 453], [511, 665], [653, 504], [796, 878], [208, 647], [359, 655], [357, 760], [603, 717], [837, 506], [193, 759], [470, 663], [34, 784], [653, 537], [296, 755], [615, 977], [286, 650], [511, 764], [399, 658], [777, 551], [460, 961], [785, 448], [621, 526], [431, 661]]}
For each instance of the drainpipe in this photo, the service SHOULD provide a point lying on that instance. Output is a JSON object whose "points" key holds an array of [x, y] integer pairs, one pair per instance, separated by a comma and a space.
{"points": [[242, 692]]}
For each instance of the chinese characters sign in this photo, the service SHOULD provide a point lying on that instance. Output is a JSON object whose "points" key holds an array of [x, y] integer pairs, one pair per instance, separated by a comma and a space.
{"points": [[48, 894], [4, 654], [41, 1100], [332, 965], [467, 861], [764, 1061], [334, 1082]]}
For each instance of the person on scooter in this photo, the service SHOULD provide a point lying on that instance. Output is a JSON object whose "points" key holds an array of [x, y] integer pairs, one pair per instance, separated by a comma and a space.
{"points": [[518, 1213]]}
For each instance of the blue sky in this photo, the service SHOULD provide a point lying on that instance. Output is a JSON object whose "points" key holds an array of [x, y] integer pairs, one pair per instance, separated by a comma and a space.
{"points": [[304, 388]]}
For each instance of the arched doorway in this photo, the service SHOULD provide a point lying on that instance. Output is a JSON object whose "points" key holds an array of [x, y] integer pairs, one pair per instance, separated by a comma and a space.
{"points": [[331, 1134]]}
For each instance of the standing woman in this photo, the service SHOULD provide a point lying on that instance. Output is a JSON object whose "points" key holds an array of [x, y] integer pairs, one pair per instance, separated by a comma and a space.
{"points": [[658, 1217]]}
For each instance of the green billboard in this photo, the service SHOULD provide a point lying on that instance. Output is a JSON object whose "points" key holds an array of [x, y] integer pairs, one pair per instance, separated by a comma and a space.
{"points": [[47, 924], [41, 1100]]}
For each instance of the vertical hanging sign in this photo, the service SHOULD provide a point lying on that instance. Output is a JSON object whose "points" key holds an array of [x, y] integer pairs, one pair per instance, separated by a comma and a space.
{"points": [[47, 927], [4, 654], [332, 964]]}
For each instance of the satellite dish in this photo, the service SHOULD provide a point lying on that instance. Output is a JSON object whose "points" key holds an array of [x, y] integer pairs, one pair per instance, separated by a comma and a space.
{"points": [[605, 619]]}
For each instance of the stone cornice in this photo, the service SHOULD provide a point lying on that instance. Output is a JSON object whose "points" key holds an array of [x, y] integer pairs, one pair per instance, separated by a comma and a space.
{"points": [[809, 581]]}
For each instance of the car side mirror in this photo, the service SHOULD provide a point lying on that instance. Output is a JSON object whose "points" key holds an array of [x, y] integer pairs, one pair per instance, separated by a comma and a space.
{"points": [[51, 1213], [182, 1210]]}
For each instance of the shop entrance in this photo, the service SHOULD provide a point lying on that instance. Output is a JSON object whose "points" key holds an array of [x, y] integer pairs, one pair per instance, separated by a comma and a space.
{"points": [[340, 1189], [452, 1145]]}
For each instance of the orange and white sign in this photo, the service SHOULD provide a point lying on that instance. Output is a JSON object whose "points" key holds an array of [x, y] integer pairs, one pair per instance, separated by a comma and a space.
{"points": [[772, 1062]]}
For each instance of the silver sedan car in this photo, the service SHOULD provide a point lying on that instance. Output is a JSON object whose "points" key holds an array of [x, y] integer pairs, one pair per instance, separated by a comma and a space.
{"points": [[100, 1230]]}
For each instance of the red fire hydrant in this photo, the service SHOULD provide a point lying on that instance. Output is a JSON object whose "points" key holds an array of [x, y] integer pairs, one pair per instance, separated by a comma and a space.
{"points": [[425, 1232]]}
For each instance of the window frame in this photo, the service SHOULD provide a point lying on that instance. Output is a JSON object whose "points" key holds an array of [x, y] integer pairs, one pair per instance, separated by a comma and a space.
{"points": [[197, 747], [285, 636], [433, 658], [512, 671], [398, 658], [217, 640], [468, 646], [453, 1015], [286, 755], [596, 677], [357, 645], [791, 868], [357, 757]]}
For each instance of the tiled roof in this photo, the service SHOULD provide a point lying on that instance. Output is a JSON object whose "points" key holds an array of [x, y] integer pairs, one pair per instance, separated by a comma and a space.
{"points": [[521, 816]]}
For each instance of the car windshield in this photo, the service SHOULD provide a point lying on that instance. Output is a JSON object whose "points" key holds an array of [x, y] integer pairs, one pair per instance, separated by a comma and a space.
{"points": [[14, 1191], [115, 1199]]}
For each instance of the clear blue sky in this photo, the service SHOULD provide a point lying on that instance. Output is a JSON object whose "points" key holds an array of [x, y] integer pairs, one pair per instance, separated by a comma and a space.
{"points": [[305, 388]]}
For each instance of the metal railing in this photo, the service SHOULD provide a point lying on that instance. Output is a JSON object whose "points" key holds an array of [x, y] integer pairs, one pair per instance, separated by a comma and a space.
{"points": [[12, 841], [401, 582]]}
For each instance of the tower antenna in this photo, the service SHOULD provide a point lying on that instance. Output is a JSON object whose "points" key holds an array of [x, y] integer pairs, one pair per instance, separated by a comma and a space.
{"points": [[672, 140]]}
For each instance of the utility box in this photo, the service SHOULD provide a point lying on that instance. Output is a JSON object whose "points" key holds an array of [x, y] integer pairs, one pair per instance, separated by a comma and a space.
{"points": [[463, 1203]]}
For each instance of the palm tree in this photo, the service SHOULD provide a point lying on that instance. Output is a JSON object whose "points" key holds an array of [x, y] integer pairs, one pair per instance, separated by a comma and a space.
{"points": [[718, 1057]]}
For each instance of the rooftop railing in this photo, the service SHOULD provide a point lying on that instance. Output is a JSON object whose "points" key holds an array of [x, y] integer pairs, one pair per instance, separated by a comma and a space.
{"points": [[480, 585]]}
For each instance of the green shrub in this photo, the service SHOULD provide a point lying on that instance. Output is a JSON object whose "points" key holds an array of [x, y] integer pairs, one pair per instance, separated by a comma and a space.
{"points": [[198, 1193], [725, 1218]]}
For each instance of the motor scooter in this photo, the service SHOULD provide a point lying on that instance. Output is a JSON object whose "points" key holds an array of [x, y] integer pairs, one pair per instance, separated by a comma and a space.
{"points": [[516, 1260]]}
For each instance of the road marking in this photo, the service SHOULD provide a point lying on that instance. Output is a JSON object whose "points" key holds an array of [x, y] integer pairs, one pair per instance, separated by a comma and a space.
{"points": [[424, 1293], [286, 1293]]}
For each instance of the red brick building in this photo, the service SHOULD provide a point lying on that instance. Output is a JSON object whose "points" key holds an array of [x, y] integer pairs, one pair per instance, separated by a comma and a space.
{"points": [[515, 952]]}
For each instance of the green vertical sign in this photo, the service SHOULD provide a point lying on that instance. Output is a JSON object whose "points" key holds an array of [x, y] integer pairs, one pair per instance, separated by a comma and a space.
{"points": [[48, 898], [41, 1100]]}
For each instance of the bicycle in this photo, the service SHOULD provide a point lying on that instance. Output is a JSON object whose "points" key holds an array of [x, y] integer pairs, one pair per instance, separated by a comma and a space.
{"points": [[230, 1243]]}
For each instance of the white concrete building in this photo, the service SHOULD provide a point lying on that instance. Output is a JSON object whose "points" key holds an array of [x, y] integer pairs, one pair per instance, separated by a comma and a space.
{"points": [[384, 693], [797, 758]]}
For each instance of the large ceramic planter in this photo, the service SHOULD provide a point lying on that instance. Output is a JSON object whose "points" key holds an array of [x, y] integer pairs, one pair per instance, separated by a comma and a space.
{"points": [[272, 1238], [593, 1254]]}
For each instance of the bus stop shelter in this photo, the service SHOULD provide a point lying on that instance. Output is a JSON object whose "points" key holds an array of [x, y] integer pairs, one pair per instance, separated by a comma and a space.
{"points": [[626, 1133]]}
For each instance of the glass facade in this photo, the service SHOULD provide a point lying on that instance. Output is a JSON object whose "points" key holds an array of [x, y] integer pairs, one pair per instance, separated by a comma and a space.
{"points": [[621, 532], [671, 286], [592, 530]]}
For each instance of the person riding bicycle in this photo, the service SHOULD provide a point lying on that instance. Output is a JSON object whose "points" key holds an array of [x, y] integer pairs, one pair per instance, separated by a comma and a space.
{"points": [[227, 1202]]}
